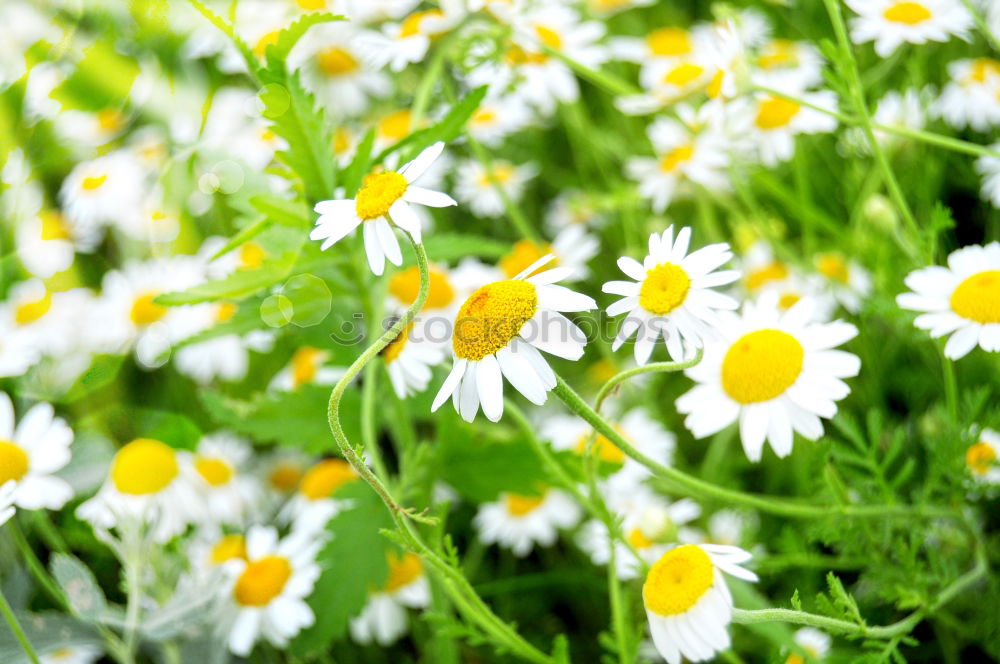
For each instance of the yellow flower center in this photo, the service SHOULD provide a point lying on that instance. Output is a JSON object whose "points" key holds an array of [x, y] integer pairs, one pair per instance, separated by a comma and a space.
{"points": [[341, 140], [224, 311], [405, 286], [683, 74], [325, 477], [978, 298], [284, 477], [305, 363], [795, 658], [144, 467], [979, 457], [983, 68], [311, 5], [777, 54], [14, 462], [761, 365], [491, 318], [252, 256], [638, 539], [518, 56], [146, 312], [549, 37], [396, 126], [524, 254], [396, 346], [788, 300], [669, 42], [94, 182], [833, 267], [262, 581], [216, 472], [335, 61], [518, 505], [484, 117], [909, 13], [110, 120], [773, 271], [775, 112], [29, 312], [264, 42], [378, 193], [677, 581], [402, 571], [664, 289], [229, 547], [502, 173], [53, 225], [603, 448], [671, 160], [411, 24]]}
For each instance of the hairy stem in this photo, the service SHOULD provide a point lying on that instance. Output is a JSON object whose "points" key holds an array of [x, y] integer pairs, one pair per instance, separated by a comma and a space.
{"points": [[655, 367]]}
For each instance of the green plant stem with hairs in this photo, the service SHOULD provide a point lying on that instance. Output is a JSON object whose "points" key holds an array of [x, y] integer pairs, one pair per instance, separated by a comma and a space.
{"points": [[655, 367]]}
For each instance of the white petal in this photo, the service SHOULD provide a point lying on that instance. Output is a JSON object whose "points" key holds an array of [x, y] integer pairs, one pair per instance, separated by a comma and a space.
{"points": [[962, 342], [390, 245], [413, 170], [403, 216], [450, 383], [632, 268], [373, 249], [519, 373], [489, 383], [428, 197], [469, 397], [753, 429], [560, 298]]}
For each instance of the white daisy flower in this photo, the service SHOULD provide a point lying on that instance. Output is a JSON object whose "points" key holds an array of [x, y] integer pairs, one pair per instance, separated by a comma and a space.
{"points": [[666, 43], [280, 472], [18, 352], [498, 333], [776, 372], [981, 457], [728, 526], [7, 501], [672, 295], [220, 479], [687, 602], [989, 168], [906, 110], [87, 130], [82, 653], [408, 360], [382, 201], [572, 247], [209, 549], [400, 44], [384, 619], [476, 185], [103, 190], [519, 522], [605, 8], [313, 503], [152, 222], [788, 66], [497, 117], [307, 367], [573, 208], [31, 453], [971, 98], [46, 244], [270, 588], [225, 357], [890, 23], [962, 299], [148, 484], [777, 121], [811, 643], [235, 129], [848, 281]]}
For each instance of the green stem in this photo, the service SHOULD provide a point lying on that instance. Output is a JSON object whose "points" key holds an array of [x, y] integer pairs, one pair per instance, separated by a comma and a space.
{"points": [[15, 627], [655, 367], [950, 387], [618, 613]]}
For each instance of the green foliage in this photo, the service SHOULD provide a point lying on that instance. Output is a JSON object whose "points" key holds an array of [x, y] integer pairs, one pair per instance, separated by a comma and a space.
{"points": [[101, 80], [48, 632]]}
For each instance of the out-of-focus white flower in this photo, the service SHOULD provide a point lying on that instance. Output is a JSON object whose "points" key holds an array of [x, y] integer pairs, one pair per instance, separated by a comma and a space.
{"points": [[477, 186], [520, 522], [383, 619], [971, 98], [890, 23], [31, 452]]}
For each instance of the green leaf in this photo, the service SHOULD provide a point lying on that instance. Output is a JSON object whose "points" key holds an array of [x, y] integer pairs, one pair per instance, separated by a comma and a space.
{"points": [[287, 213], [287, 38], [450, 126], [176, 430], [101, 80], [353, 562], [48, 632], [352, 176], [103, 370], [81, 587]]}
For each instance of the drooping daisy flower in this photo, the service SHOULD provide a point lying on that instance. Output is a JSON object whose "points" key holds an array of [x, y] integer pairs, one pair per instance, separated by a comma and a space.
{"points": [[384, 619], [148, 484], [672, 295], [314, 503], [890, 23], [307, 366], [687, 602], [777, 121], [776, 372], [982, 457], [962, 299], [971, 98], [31, 453], [382, 201], [812, 645], [848, 281], [573, 247], [408, 360], [270, 588], [477, 185], [221, 480], [498, 333], [519, 522]]}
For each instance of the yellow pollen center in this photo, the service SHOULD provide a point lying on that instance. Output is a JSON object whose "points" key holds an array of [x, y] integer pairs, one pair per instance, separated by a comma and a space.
{"points": [[305, 363], [978, 458], [229, 547], [396, 346], [146, 312], [14, 462], [29, 312], [795, 658], [603, 448], [978, 298], [833, 267], [484, 117], [264, 42], [110, 120], [779, 53], [262, 581], [664, 289], [761, 365], [411, 24], [94, 182], [341, 140], [53, 225], [252, 256], [683, 74], [284, 477], [405, 286], [983, 68], [336, 61], [909, 13], [143, 467], [549, 37], [396, 126], [402, 571], [215, 472], [671, 160], [638, 539], [524, 254], [311, 5], [225, 311], [677, 581], [378, 193], [491, 318], [669, 42], [325, 477], [788, 300], [773, 271], [518, 505], [775, 112]]}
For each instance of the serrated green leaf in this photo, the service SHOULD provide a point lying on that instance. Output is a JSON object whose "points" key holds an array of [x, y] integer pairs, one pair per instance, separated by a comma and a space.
{"points": [[450, 126], [287, 38]]}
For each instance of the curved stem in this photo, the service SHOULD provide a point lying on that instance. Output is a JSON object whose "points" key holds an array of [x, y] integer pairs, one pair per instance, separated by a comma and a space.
{"points": [[655, 367]]}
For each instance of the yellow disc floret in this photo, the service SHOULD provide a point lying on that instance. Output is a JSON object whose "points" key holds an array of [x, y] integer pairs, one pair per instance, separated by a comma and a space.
{"points": [[603, 448], [378, 193], [215, 472], [491, 318], [518, 505], [411, 24], [669, 42], [144, 467], [773, 271], [978, 298], [664, 289], [402, 570], [908, 13], [833, 267], [229, 547], [146, 312], [683, 74], [325, 477], [284, 476], [761, 365], [29, 312], [405, 286], [524, 254], [54, 225], [677, 581], [14, 462], [776, 112], [978, 458], [674, 158], [335, 61], [262, 581]]}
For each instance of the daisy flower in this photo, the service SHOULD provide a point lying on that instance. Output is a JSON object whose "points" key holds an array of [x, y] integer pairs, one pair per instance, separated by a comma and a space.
{"points": [[687, 602], [519, 522], [672, 295], [270, 588], [280, 473], [981, 457], [223, 357], [45, 243], [18, 352], [989, 168], [971, 98], [777, 121], [573, 208], [890, 23], [148, 484], [479, 186], [776, 372], [406, 42], [313, 503], [7, 501], [667, 43], [811, 643], [220, 480], [210, 549], [382, 201], [605, 8], [409, 361], [782, 64], [31, 453], [498, 333], [906, 109], [307, 367], [103, 190], [497, 117], [962, 299], [81, 653], [572, 247], [383, 619], [848, 281]]}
